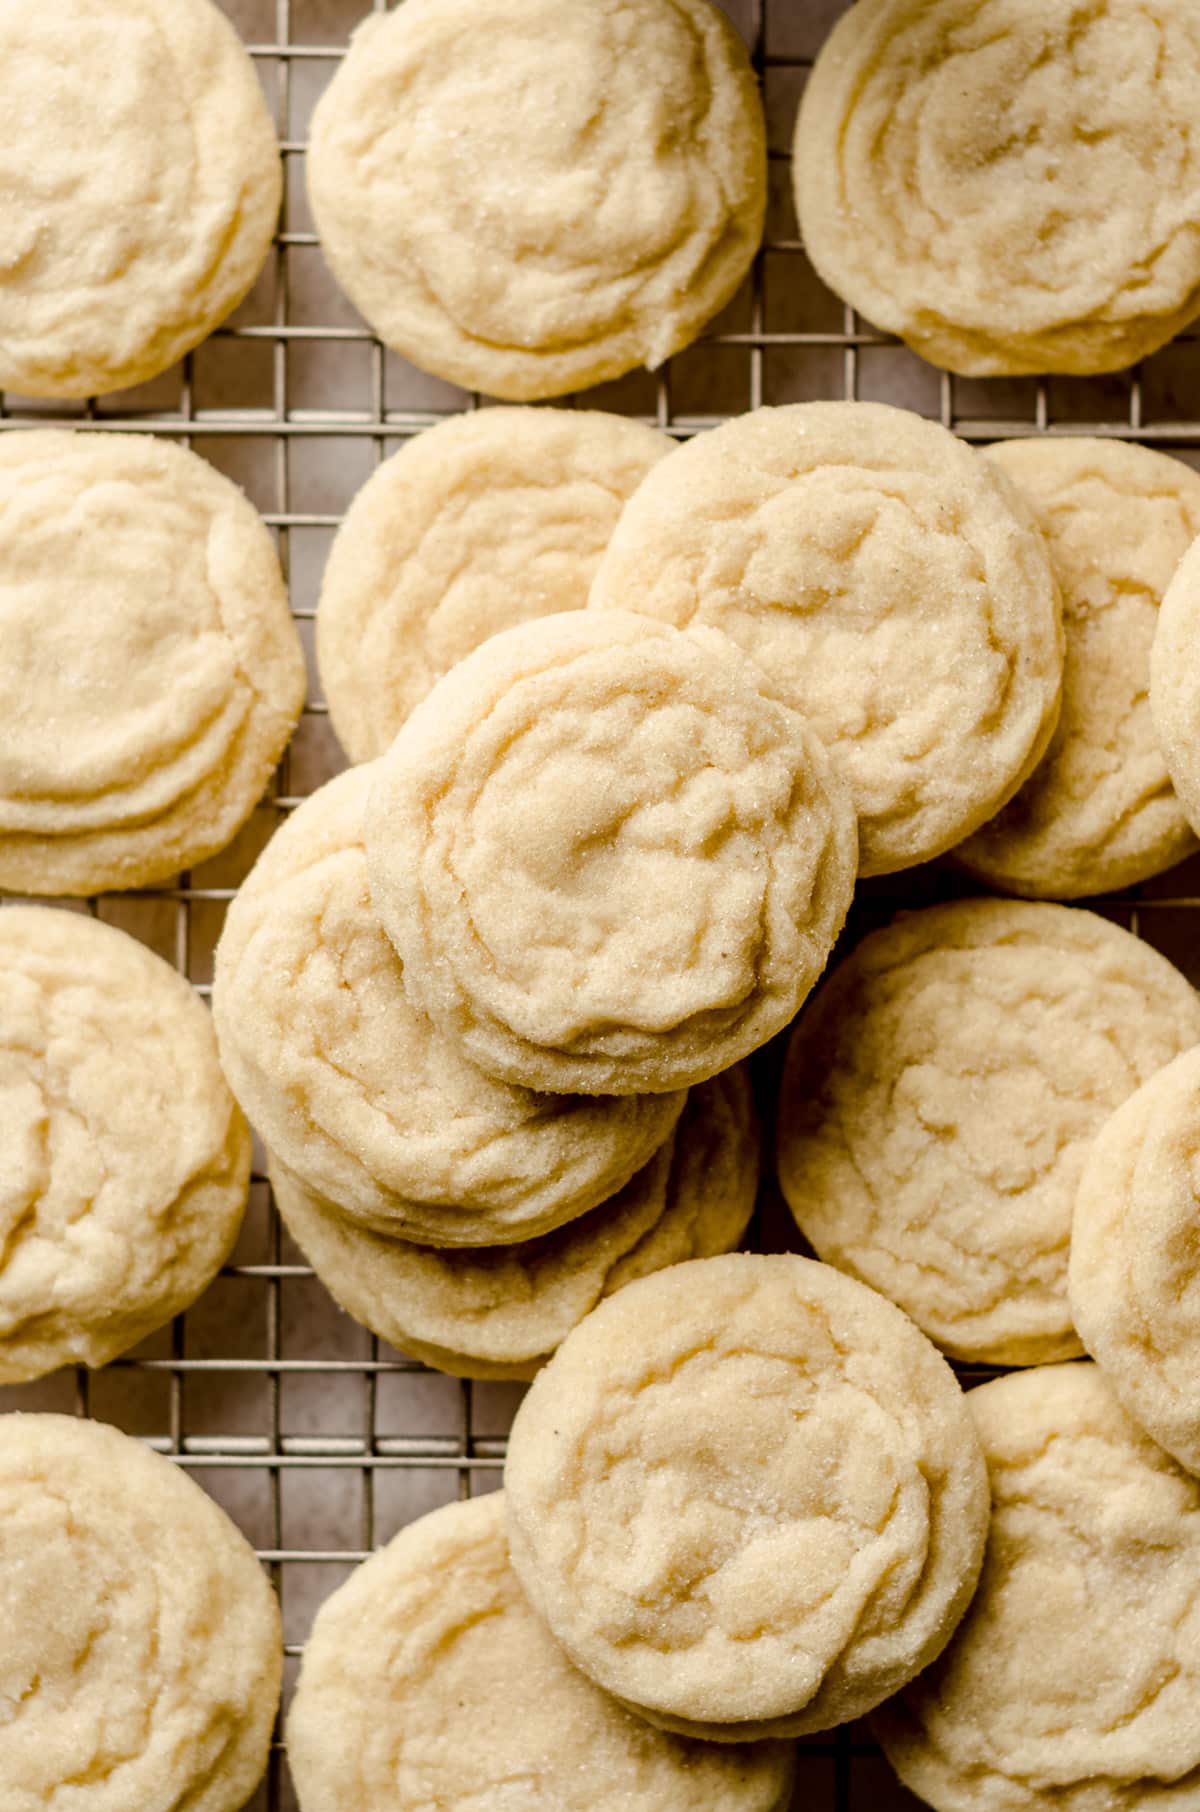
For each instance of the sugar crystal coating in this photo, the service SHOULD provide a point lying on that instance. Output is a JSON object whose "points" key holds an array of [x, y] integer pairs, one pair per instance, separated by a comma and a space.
{"points": [[747, 1497]]}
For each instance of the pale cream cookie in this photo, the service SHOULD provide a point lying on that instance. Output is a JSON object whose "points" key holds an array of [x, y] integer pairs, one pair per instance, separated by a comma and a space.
{"points": [[747, 1497], [889, 583], [140, 183], [124, 1161], [150, 675], [608, 861], [1073, 1682], [429, 1681], [483, 522], [525, 223], [1010, 186], [1099, 812], [1175, 682], [501, 1311], [142, 1651], [354, 1091], [1135, 1256], [942, 1095]]}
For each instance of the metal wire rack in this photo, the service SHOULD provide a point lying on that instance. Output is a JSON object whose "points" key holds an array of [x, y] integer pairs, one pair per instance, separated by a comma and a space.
{"points": [[318, 1439]]}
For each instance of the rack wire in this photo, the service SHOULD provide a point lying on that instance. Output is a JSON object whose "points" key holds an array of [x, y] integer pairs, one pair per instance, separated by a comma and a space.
{"points": [[318, 1439]]}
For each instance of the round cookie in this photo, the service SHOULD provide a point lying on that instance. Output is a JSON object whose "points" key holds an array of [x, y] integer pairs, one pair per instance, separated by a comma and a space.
{"points": [[428, 1681], [1135, 1256], [501, 1311], [141, 182], [1175, 682], [483, 522], [1009, 186], [889, 583], [747, 1497], [608, 861], [940, 1099], [528, 250], [354, 1091], [150, 675], [142, 1650], [1073, 1682], [1099, 813], [106, 1232]]}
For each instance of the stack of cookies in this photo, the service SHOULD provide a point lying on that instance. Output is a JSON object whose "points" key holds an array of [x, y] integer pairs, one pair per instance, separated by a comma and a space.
{"points": [[468, 1219], [634, 720], [494, 1052], [604, 859], [489, 996]]}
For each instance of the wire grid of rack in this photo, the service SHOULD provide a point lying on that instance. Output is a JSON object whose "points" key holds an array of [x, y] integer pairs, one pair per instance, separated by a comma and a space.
{"points": [[319, 1440]]}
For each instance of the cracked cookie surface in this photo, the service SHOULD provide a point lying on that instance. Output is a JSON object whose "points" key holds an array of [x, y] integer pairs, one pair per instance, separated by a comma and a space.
{"points": [[1135, 1256], [941, 1096], [1072, 1682], [142, 1649], [501, 1311], [747, 1497], [354, 1090], [105, 1233], [534, 248], [1099, 812], [476, 1706], [150, 674], [139, 188], [608, 861], [887, 582], [486, 521], [1009, 186]]}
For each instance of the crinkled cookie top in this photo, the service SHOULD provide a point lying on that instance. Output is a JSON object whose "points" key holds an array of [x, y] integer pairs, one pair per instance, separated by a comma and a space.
{"points": [[498, 1311], [1135, 1256], [887, 581], [105, 1232], [527, 224], [142, 1651], [1011, 186], [483, 522], [940, 1100], [747, 1497], [609, 863], [428, 1681], [357, 1093], [139, 188], [1073, 1682], [150, 674], [1099, 812]]}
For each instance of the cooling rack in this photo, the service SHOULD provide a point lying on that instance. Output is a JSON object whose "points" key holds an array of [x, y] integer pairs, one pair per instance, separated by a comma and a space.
{"points": [[319, 1440]]}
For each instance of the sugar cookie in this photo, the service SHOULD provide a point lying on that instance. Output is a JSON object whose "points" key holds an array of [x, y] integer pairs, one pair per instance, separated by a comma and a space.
{"points": [[608, 861], [940, 1099], [889, 583], [142, 1651], [1099, 812], [428, 1681], [500, 1312], [150, 675], [1175, 682], [1135, 1256], [747, 1497], [352, 1088], [1009, 186], [528, 225], [105, 1232], [483, 522], [140, 184], [1073, 1682]]}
